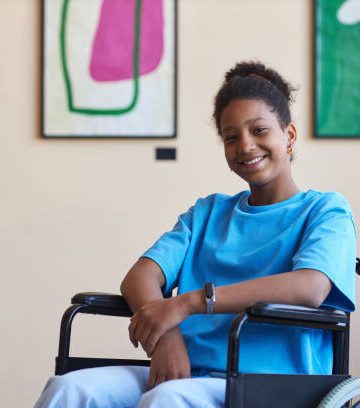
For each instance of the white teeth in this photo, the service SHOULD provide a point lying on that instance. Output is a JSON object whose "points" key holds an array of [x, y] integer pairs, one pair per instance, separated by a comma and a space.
{"points": [[254, 160]]}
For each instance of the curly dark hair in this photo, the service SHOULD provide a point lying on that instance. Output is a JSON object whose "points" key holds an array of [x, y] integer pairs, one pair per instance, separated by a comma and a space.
{"points": [[253, 80]]}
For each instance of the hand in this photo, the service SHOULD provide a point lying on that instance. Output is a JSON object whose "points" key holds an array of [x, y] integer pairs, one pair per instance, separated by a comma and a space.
{"points": [[154, 319], [170, 360]]}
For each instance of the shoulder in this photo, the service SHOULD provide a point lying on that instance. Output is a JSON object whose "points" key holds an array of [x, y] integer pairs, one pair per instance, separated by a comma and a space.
{"points": [[329, 207], [328, 201]]}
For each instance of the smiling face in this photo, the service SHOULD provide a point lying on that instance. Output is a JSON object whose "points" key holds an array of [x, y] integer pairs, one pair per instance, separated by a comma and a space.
{"points": [[256, 147]]}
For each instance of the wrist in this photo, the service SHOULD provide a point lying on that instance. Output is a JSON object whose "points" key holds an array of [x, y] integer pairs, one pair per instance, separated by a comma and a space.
{"points": [[171, 335], [193, 302]]}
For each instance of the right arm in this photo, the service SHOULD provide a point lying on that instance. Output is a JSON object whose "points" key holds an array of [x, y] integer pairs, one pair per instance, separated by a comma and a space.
{"points": [[142, 285]]}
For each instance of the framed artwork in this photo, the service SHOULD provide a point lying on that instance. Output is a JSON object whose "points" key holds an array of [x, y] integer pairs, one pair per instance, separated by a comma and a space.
{"points": [[109, 68], [337, 68]]}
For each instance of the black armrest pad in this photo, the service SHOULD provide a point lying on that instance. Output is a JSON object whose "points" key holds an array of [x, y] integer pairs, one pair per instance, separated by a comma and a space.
{"points": [[297, 313], [102, 300]]}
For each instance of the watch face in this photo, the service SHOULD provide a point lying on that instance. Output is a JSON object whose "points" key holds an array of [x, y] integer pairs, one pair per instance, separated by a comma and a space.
{"points": [[210, 299], [209, 290]]}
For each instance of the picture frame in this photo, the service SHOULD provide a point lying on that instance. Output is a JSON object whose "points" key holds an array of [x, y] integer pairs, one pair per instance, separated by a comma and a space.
{"points": [[336, 68], [109, 69]]}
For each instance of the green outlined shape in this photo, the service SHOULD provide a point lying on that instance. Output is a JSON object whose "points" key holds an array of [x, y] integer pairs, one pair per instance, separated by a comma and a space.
{"points": [[66, 73]]}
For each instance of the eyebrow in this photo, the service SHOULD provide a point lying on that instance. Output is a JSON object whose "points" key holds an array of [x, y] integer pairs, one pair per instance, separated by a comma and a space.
{"points": [[231, 127]]}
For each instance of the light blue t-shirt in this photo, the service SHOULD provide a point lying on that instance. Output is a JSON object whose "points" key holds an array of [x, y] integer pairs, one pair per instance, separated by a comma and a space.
{"points": [[223, 239]]}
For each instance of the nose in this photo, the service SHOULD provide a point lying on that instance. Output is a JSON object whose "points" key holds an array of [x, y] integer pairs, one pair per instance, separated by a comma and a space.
{"points": [[246, 143]]}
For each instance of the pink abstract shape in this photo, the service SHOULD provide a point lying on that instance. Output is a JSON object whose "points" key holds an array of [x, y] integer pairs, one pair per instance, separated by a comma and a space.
{"points": [[113, 45]]}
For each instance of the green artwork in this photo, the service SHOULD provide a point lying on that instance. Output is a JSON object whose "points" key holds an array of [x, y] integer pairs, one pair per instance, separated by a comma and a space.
{"points": [[109, 68], [337, 68]]}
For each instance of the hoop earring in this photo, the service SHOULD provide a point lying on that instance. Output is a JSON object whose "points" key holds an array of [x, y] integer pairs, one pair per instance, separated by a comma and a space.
{"points": [[290, 150]]}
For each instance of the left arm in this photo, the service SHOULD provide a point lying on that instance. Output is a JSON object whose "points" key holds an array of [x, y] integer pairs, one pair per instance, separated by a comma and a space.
{"points": [[305, 287]]}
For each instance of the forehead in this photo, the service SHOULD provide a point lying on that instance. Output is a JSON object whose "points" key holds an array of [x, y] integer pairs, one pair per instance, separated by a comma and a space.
{"points": [[239, 111]]}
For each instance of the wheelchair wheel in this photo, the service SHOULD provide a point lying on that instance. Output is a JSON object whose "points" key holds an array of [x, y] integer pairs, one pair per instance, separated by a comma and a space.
{"points": [[342, 393]]}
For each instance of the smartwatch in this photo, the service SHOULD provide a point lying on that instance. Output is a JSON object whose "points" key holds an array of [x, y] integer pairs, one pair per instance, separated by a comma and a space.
{"points": [[210, 297]]}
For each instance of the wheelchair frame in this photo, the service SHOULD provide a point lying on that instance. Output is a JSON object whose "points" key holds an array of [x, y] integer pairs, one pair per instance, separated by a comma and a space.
{"points": [[242, 390]]}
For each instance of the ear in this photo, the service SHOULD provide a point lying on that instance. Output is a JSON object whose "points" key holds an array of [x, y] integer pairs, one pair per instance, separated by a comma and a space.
{"points": [[291, 133]]}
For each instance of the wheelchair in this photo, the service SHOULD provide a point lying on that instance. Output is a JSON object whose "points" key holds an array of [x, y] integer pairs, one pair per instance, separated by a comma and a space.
{"points": [[243, 390]]}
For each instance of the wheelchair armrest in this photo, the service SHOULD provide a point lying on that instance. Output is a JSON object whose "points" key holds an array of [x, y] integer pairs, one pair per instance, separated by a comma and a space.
{"points": [[336, 321], [295, 313], [90, 303], [102, 303]]}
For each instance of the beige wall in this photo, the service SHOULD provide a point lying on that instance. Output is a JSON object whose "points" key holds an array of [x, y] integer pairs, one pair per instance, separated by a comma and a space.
{"points": [[76, 214]]}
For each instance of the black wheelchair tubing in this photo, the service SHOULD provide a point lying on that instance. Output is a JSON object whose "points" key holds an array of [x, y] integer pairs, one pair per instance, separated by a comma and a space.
{"points": [[103, 301], [234, 344], [296, 313], [240, 319]]}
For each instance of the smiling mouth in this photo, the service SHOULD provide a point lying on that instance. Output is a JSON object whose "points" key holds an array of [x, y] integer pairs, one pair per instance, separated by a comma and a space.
{"points": [[252, 162]]}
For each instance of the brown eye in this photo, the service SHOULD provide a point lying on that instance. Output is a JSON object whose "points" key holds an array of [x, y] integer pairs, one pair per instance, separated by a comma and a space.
{"points": [[228, 139], [259, 130]]}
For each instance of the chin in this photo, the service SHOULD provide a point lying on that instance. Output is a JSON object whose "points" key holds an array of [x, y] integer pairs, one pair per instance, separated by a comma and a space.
{"points": [[254, 181], [256, 184]]}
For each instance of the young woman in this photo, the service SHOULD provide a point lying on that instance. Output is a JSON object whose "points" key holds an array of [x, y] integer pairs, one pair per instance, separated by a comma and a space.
{"points": [[271, 243]]}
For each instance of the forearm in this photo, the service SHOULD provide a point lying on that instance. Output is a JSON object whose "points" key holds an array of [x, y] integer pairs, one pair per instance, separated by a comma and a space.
{"points": [[141, 287], [305, 287], [157, 316], [142, 284]]}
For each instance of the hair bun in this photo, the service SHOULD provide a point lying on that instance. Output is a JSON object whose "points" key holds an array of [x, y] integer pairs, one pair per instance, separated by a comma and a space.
{"points": [[258, 71], [253, 80]]}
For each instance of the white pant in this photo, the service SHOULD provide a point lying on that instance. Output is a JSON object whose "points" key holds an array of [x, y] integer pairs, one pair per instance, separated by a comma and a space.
{"points": [[120, 387]]}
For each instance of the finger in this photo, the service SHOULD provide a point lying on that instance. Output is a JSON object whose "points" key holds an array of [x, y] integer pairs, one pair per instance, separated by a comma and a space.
{"points": [[150, 343], [152, 380], [184, 374], [131, 335], [139, 333], [136, 329], [173, 371], [172, 375], [160, 379], [142, 334]]}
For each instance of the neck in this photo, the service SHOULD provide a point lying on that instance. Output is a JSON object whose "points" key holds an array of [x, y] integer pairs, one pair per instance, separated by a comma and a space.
{"points": [[265, 195]]}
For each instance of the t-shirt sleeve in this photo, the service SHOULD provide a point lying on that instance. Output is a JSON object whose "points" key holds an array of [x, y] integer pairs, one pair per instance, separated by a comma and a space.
{"points": [[170, 249], [329, 246]]}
